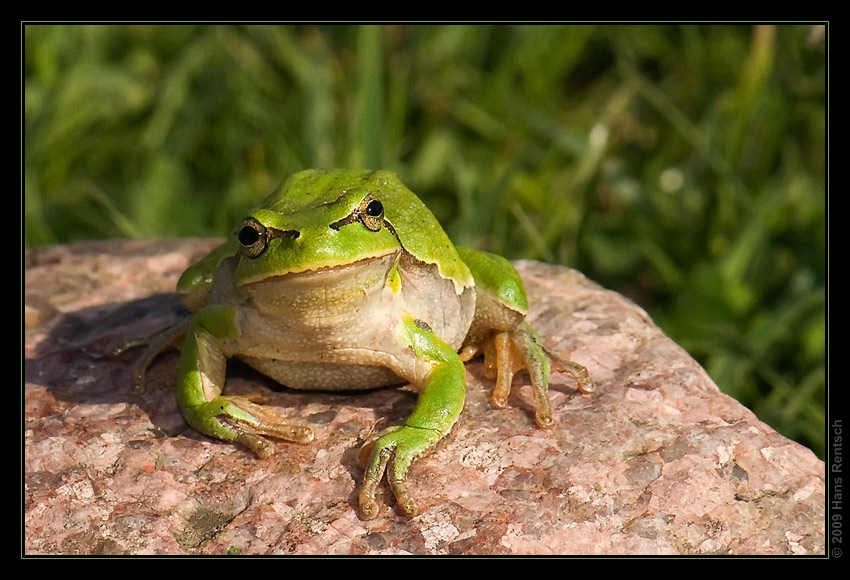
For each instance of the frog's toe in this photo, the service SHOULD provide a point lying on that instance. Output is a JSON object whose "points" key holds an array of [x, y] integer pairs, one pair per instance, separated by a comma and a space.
{"points": [[585, 383], [240, 419], [404, 498], [261, 420], [261, 446]]}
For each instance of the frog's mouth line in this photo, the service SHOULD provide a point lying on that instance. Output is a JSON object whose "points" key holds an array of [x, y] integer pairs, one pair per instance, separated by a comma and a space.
{"points": [[327, 274]]}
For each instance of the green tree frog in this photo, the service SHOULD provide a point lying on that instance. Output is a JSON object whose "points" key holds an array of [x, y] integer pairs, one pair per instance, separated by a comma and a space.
{"points": [[344, 279]]}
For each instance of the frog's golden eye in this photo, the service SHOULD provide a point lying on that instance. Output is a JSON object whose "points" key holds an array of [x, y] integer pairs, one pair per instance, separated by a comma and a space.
{"points": [[371, 213], [253, 238]]}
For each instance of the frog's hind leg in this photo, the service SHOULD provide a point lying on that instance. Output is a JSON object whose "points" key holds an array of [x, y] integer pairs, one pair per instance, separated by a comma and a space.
{"points": [[508, 352], [155, 345]]}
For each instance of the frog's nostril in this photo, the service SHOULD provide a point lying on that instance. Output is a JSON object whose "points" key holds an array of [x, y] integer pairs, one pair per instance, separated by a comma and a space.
{"points": [[291, 234]]}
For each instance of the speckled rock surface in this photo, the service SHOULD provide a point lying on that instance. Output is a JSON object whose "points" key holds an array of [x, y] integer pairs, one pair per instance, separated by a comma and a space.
{"points": [[657, 461]]}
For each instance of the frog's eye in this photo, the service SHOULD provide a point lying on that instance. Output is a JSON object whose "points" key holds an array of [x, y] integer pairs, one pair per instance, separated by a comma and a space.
{"points": [[253, 238], [371, 213], [375, 208]]}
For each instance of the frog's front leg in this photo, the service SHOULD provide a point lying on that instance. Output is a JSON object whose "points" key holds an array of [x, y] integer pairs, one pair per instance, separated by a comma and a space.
{"points": [[440, 402], [200, 382]]}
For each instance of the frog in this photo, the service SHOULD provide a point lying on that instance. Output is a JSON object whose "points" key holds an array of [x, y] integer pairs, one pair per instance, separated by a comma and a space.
{"points": [[343, 279]]}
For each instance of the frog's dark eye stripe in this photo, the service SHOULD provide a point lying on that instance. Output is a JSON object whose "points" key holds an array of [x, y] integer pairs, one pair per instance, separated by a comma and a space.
{"points": [[349, 219], [254, 237], [369, 212]]}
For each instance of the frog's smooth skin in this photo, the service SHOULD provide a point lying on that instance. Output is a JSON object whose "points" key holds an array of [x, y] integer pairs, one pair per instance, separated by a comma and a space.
{"points": [[345, 280]]}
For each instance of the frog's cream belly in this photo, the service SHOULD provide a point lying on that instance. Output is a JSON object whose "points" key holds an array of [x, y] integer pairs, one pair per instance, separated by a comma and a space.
{"points": [[325, 376]]}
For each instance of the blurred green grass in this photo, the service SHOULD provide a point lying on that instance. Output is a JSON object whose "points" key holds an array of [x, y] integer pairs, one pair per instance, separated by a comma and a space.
{"points": [[682, 165]]}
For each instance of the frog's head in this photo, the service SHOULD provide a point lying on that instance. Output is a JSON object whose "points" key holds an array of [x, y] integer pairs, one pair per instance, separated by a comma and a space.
{"points": [[330, 219]]}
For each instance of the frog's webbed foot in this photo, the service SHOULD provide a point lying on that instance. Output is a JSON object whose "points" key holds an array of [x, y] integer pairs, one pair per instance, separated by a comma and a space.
{"points": [[241, 419], [392, 453], [508, 352]]}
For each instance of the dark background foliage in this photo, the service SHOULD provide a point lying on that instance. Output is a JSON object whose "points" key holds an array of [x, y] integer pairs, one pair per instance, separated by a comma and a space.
{"points": [[682, 165]]}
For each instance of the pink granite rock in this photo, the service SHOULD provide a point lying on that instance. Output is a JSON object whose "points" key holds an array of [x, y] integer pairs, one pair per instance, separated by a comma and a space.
{"points": [[657, 461]]}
